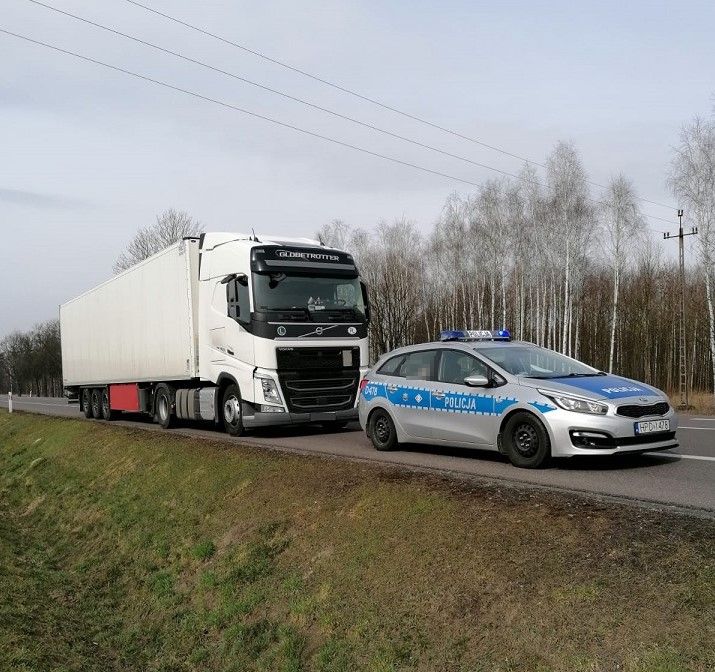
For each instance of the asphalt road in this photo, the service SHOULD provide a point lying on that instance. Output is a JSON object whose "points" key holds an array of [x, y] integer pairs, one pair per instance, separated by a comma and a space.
{"points": [[682, 478]]}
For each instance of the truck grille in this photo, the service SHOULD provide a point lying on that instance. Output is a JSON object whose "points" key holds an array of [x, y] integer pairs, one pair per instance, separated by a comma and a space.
{"points": [[635, 411], [319, 379]]}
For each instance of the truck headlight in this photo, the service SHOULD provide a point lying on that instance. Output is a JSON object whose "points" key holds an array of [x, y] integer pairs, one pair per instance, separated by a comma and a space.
{"points": [[270, 390], [575, 404]]}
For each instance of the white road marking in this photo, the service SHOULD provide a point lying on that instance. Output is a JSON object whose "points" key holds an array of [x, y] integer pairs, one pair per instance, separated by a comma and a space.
{"points": [[17, 403], [707, 458], [707, 419], [702, 429]]}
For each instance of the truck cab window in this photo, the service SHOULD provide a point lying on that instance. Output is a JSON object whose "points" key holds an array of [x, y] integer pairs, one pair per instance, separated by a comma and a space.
{"points": [[237, 299]]}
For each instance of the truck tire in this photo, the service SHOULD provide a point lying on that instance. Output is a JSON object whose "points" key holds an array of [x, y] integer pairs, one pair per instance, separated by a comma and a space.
{"points": [[96, 403], [107, 412], [526, 441], [87, 402], [163, 403], [231, 410]]}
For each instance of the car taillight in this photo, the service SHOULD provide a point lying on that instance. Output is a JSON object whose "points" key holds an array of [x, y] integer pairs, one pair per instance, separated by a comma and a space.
{"points": [[363, 382]]}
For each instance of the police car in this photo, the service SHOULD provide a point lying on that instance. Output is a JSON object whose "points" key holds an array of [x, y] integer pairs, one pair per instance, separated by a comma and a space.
{"points": [[480, 389]]}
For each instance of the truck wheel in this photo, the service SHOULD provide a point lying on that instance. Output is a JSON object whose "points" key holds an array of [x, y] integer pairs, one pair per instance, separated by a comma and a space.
{"points": [[162, 407], [231, 411], [107, 413], [87, 402], [96, 403], [381, 430], [526, 441]]}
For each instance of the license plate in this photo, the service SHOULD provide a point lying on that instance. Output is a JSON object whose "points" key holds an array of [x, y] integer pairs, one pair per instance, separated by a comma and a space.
{"points": [[652, 426]]}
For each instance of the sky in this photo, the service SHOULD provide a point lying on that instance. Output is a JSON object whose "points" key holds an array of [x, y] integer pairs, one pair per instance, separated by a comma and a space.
{"points": [[88, 155]]}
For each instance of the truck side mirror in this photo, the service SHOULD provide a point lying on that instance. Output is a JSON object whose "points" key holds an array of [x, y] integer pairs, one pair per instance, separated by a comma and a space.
{"points": [[365, 300]]}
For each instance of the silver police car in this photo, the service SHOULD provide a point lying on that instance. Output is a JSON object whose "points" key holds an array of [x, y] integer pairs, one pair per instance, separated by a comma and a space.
{"points": [[480, 389]]}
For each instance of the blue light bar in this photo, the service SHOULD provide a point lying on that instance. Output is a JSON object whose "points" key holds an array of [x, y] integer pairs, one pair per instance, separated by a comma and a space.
{"points": [[478, 335]]}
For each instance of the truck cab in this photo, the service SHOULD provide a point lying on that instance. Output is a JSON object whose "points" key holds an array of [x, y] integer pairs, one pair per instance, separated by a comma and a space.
{"points": [[282, 325]]}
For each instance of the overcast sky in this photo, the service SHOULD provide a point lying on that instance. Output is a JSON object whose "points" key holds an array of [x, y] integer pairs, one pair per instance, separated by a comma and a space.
{"points": [[88, 155]]}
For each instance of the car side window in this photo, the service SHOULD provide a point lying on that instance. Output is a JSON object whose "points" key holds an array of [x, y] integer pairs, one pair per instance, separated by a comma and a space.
{"points": [[455, 366], [418, 365], [391, 366]]}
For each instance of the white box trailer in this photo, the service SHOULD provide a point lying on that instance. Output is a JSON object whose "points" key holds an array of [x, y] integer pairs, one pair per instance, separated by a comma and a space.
{"points": [[140, 326], [242, 331]]}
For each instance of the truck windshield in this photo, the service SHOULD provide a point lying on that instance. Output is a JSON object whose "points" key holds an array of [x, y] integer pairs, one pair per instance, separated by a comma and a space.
{"points": [[279, 291], [533, 362]]}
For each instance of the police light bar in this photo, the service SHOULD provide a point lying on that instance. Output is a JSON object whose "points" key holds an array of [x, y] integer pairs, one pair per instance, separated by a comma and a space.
{"points": [[479, 335]]}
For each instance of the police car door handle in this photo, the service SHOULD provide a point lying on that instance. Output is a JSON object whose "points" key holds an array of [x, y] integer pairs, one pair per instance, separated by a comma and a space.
{"points": [[438, 393], [391, 387]]}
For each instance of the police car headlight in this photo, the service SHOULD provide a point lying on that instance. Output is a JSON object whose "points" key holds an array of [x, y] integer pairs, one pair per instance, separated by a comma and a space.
{"points": [[270, 390], [575, 404]]}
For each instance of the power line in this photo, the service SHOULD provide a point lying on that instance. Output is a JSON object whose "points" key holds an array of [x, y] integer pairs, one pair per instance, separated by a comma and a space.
{"points": [[277, 122], [363, 97], [302, 101], [236, 108], [274, 91]]}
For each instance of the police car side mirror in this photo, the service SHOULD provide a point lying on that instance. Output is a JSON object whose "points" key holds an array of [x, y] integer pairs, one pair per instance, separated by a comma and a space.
{"points": [[476, 381]]}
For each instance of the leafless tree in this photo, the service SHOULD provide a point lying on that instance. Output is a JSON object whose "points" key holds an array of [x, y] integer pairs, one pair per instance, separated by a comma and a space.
{"points": [[624, 226], [692, 181], [171, 226]]}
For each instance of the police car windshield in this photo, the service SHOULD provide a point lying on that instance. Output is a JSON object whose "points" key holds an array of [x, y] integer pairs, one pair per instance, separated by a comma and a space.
{"points": [[533, 362]]}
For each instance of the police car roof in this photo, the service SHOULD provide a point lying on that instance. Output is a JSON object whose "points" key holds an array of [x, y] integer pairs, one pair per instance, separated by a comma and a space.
{"points": [[461, 345]]}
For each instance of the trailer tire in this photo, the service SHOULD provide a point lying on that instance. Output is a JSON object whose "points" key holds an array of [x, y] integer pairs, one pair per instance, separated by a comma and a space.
{"points": [[163, 403], [96, 403], [87, 402], [107, 412], [231, 413]]}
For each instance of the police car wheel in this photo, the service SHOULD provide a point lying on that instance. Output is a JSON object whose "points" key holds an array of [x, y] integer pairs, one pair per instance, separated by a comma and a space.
{"points": [[526, 441], [382, 431]]}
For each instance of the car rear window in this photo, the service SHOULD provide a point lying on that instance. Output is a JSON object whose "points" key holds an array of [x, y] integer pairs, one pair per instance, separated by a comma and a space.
{"points": [[391, 366]]}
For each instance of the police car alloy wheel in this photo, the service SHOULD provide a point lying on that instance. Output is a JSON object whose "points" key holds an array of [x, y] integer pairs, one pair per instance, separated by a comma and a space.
{"points": [[526, 441], [382, 430]]}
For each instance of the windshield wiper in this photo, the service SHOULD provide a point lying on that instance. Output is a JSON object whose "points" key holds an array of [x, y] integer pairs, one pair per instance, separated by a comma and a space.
{"points": [[582, 375]]}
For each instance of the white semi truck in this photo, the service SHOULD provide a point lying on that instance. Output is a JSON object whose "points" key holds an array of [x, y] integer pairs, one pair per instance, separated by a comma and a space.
{"points": [[243, 330]]}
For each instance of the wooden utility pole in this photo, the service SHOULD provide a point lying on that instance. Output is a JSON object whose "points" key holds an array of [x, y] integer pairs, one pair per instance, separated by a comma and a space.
{"points": [[682, 364]]}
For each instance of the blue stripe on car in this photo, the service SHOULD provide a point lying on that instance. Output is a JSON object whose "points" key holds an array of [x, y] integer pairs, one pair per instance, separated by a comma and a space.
{"points": [[406, 396], [611, 387]]}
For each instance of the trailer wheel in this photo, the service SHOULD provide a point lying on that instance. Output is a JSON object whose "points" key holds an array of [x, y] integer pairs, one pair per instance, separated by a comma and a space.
{"points": [[96, 403], [107, 413], [231, 410], [162, 407], [87, 402]]}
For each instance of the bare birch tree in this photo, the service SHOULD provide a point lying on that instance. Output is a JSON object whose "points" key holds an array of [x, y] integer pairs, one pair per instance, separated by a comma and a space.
{"points": [[692, 181], [171, 226], [623, 225]]}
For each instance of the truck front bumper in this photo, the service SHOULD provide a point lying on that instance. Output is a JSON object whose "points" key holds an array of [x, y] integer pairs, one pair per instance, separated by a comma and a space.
{"points": [[259, 419]]}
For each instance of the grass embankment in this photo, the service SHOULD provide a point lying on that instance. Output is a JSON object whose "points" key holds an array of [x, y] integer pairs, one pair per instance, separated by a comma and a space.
{"points": [[127, 550]]}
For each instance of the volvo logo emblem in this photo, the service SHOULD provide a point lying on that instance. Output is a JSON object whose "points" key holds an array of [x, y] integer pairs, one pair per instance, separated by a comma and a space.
{"points": [[281, 331], [319, 331], [352, 331]]}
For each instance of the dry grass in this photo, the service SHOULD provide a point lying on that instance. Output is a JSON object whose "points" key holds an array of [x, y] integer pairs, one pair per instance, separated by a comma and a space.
{"points": [[702, 403], [123, 550]]}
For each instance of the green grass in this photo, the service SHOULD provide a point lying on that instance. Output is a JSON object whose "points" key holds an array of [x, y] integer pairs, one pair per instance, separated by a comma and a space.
{"points": [[128, 550]]}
